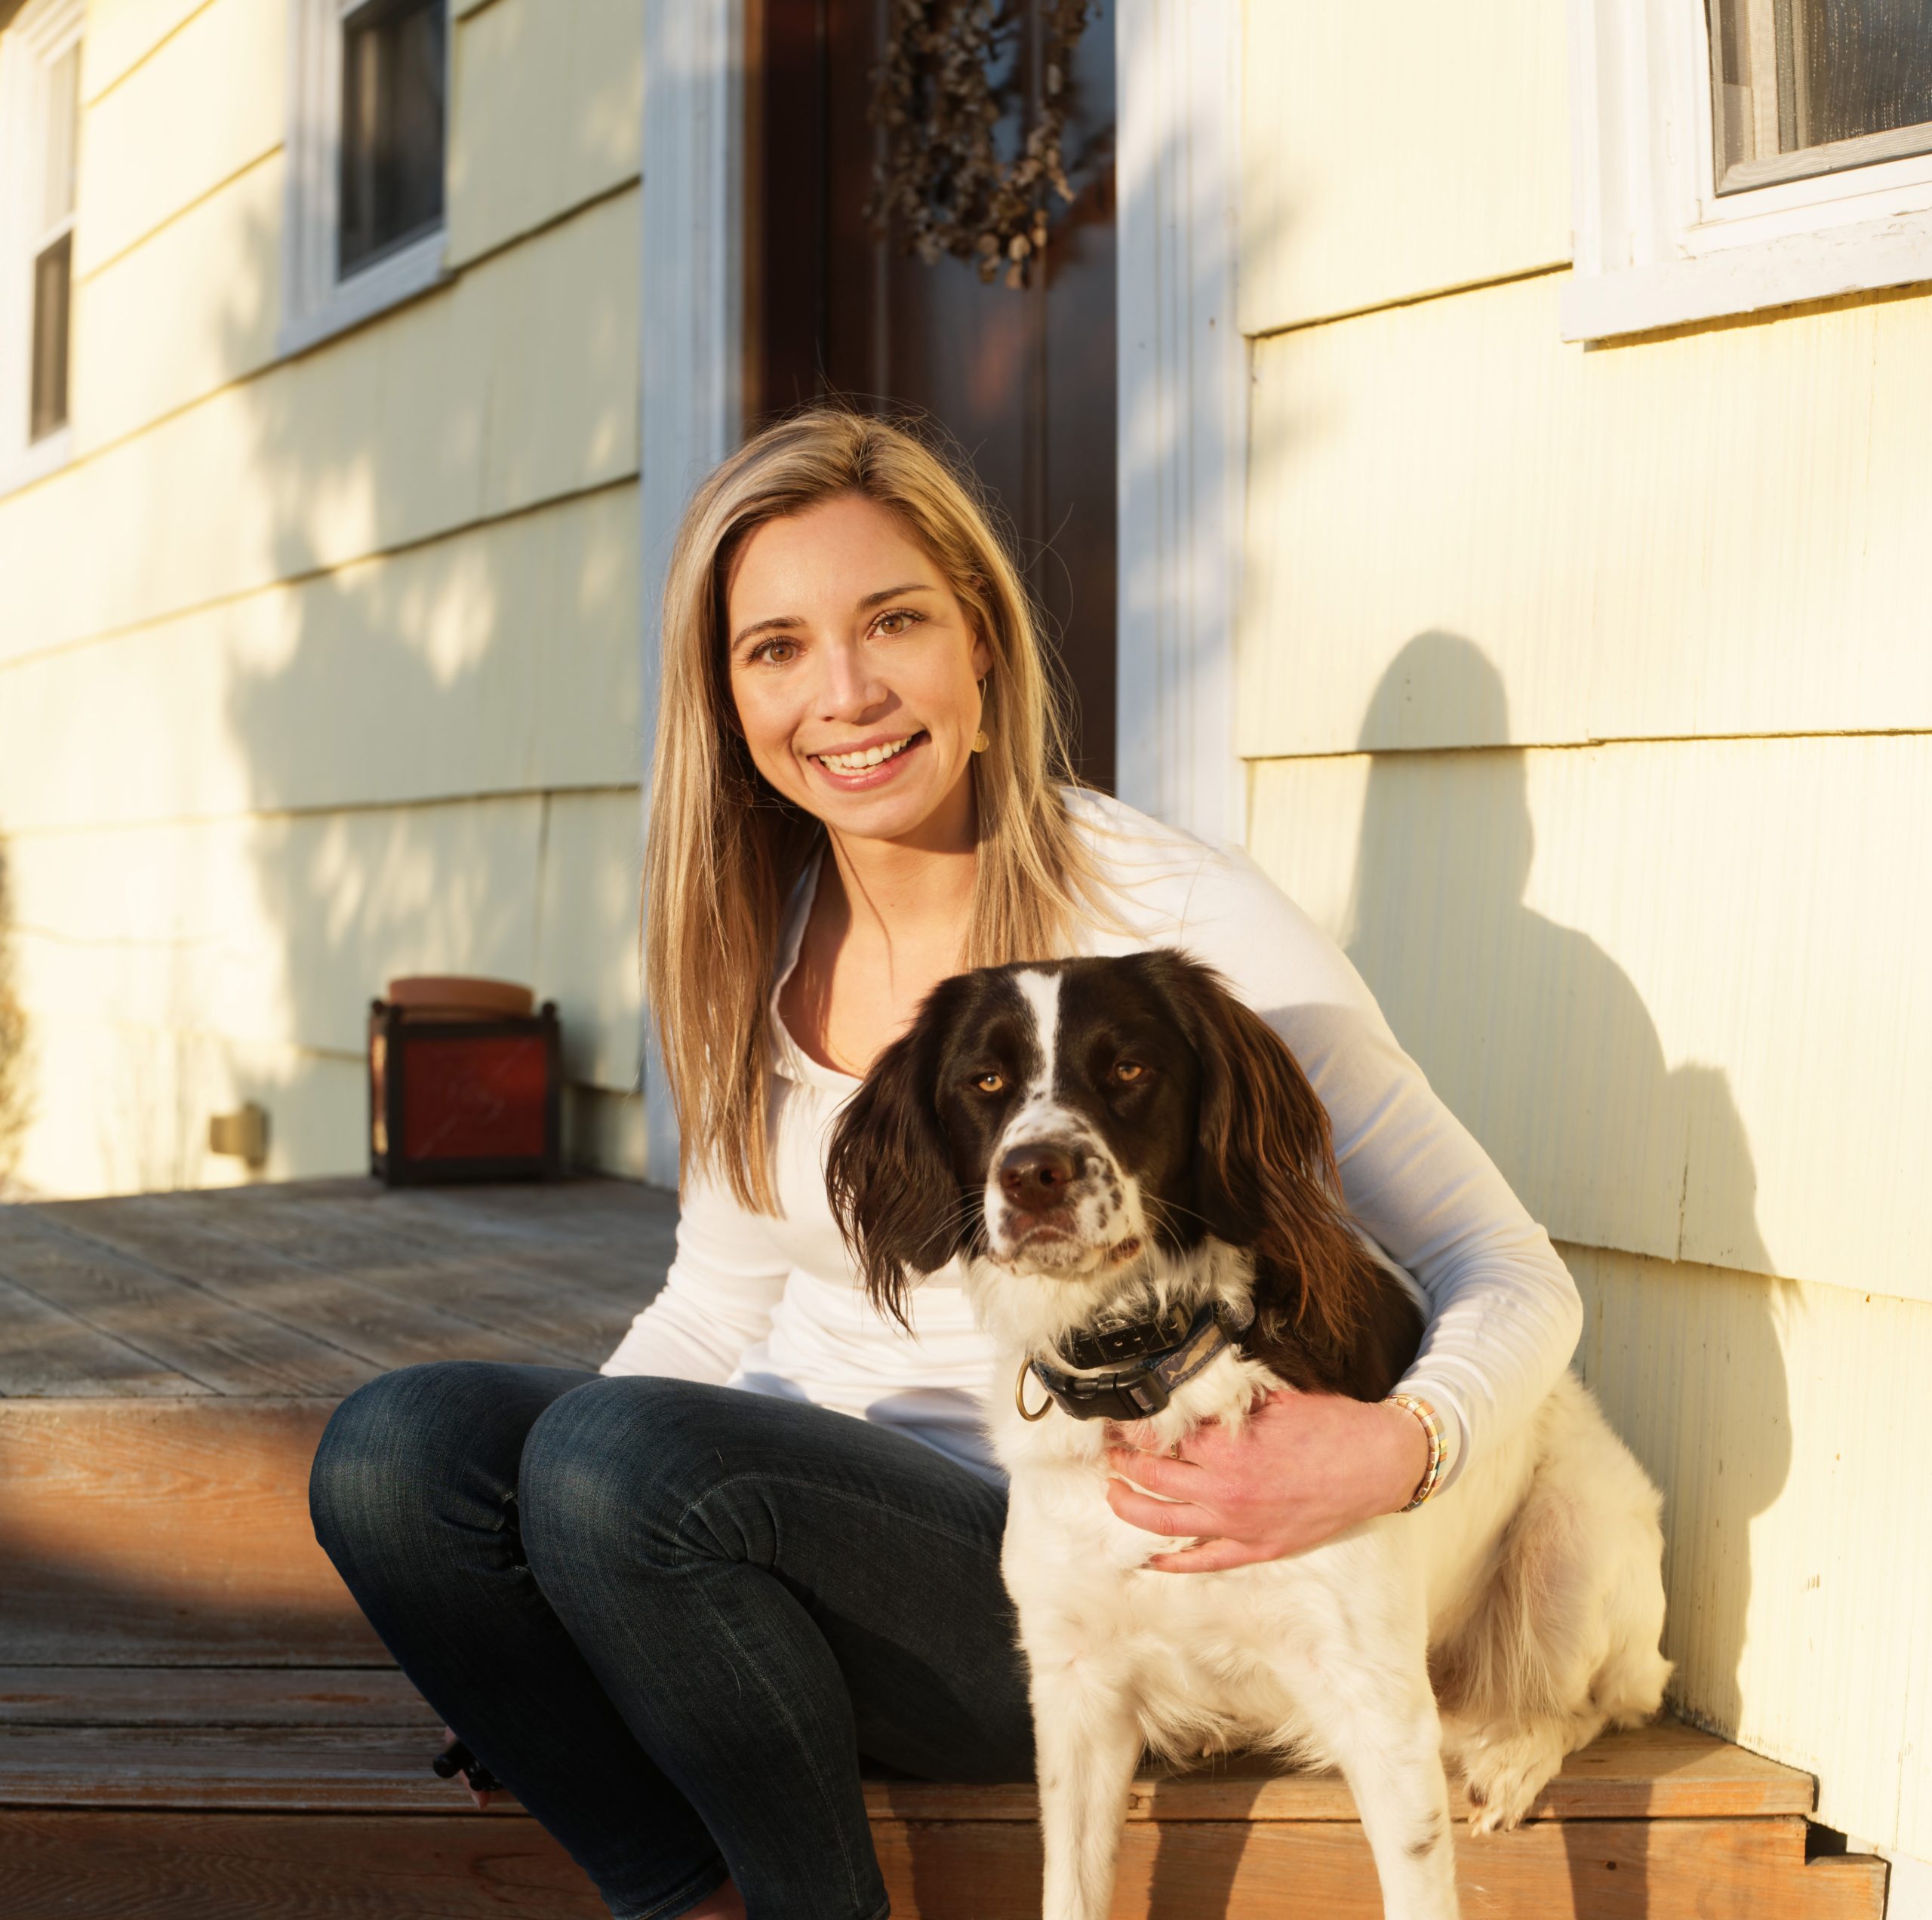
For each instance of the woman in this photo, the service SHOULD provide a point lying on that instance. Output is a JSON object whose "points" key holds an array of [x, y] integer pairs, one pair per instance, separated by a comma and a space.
{"points": [[671, 1605]]}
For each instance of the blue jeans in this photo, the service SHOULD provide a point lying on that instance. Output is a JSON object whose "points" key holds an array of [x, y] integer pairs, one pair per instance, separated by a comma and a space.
{"points": [[671, 1618]]}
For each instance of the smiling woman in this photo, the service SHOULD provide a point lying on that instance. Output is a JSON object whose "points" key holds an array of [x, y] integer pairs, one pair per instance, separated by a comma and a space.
{"points": [[671, 1607], [842, 628]]}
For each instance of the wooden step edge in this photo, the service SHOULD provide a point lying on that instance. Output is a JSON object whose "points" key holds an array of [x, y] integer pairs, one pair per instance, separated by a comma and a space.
{"points": [[226, 1866], [385, 1769]]}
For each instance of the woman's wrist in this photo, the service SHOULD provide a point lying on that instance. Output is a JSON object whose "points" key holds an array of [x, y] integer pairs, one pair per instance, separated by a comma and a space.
{"points": [[1423, 1452]]}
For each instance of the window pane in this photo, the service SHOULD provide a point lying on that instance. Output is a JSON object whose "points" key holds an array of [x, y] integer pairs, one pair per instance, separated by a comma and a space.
{"points": [[1860, 66], [53, 274], [64, 107], [1790, 77], [391, 127]]}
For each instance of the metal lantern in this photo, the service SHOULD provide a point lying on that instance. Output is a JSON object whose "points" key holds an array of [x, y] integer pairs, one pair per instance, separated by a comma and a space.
{"points": [[465, 1083]]}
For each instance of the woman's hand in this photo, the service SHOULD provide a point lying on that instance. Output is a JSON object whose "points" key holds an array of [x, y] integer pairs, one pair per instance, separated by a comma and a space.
{"points": [[1301, 1468]]}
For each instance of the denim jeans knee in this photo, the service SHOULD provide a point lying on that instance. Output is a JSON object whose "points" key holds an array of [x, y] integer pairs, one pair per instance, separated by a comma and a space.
{"points": [[400, 1440], [613, 1468]]}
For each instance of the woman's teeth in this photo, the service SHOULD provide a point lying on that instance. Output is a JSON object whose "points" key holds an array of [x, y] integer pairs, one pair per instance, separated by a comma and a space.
{"points": [[857, 763]]}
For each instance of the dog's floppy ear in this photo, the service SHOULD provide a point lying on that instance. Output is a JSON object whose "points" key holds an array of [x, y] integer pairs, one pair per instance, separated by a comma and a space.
{"points": [[1265, 1178], [888, 1172]]}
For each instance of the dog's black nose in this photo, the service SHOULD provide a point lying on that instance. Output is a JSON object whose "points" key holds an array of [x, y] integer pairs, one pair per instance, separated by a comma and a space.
{"points": [[1036, 1177]]}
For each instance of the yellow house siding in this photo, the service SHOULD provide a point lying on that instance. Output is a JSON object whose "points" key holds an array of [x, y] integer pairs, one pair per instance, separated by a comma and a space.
{"points": [[1722, 532], [206, 103], [1439, 160], [315, 670], [549, 113], [1673, 987], [122, 33], [1798, 1562], [501, 655], [190, 309], [1585, 696], [517, 382]]}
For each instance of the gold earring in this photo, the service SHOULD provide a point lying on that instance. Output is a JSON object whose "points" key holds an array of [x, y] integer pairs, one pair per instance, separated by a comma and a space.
{"points": [[980, 743]]}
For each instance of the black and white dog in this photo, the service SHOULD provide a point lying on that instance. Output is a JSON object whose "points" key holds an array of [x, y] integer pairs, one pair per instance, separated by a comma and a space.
{"points": [[1141, 1181]]}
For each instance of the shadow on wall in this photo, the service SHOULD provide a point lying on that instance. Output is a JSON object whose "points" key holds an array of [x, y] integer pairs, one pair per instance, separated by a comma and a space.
{"points": [[13, 1108], [1543, 1047], [425, 643]]}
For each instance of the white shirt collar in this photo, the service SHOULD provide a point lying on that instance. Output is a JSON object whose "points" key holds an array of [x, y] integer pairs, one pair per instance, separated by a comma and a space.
{"points": [[788, 1058]]}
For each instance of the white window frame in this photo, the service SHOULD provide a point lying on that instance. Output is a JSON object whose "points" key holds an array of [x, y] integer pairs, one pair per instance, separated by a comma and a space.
{"points": [[38, 35], [1656, 245], [315, 304]]}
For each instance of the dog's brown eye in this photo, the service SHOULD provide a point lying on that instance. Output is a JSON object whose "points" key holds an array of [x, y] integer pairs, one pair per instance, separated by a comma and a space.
{"points": [[1127, 1072], [990, 1083]]}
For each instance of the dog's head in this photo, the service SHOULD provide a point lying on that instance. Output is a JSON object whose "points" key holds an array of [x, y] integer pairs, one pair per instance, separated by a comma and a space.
{"points": [[1087, 1126]]}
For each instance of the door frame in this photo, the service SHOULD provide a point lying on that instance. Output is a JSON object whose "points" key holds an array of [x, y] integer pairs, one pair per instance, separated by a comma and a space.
{"points": [[1182, 387]]}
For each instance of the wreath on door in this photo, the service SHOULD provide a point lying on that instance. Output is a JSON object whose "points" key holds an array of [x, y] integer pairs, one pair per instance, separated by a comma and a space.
{"points": [[936, 105]]}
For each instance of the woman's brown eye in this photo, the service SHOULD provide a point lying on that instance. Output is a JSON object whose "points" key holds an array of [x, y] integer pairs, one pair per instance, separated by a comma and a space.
{"points": [[1127, 1072], [991, 1083]]}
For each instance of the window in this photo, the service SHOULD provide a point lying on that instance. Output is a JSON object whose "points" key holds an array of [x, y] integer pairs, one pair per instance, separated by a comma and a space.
{"points": [[1800, 88], [369, 88], [40, 117], [1732, 155]]}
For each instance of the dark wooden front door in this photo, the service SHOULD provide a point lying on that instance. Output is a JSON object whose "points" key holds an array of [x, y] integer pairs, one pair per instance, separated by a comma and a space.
{"points": [[1023, 381]]}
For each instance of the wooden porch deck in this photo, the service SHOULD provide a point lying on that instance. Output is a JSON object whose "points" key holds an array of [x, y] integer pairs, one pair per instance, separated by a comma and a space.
{"points": [[195, 1722]]}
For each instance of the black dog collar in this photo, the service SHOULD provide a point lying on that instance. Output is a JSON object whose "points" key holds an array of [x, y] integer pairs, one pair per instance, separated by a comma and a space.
{"points": [[1168, 1352]]}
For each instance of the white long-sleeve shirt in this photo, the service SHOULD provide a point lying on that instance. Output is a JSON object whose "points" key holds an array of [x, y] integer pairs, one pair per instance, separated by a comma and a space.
{"points": [[772, 1303]]}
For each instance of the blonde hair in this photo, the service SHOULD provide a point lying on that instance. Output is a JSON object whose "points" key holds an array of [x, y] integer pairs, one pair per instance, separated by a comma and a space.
{"points": [[723, 850]]}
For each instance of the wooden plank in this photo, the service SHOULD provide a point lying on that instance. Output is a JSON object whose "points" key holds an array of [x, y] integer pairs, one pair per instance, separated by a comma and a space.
{"points": [[46, 1350], [596, 1242], [176, 1866], [210, 1696], [367, 1322], [221, 1347], [166, 1532], [1584, 1870], [538, 1317], [204, 1742]]}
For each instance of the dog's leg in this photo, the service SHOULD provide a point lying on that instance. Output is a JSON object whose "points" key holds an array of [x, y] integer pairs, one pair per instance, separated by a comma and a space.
{"points": [[1087, 1744], [1383, 1732], [1564, 1641]]}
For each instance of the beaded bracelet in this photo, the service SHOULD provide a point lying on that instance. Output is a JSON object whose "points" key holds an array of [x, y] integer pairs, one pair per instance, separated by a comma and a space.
{"points": [[1424, 1412]]}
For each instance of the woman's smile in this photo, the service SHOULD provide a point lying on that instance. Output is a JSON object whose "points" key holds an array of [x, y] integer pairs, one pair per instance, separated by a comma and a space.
{"points": [[867, 763]]}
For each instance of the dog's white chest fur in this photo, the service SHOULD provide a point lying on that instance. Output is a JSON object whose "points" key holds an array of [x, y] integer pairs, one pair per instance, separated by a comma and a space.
{"points": [[1203, 1661]]}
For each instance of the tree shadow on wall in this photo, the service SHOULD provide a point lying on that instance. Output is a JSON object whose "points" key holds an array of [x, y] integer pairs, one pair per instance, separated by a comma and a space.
{"points": [[14, 1106], [1543, 1047]]}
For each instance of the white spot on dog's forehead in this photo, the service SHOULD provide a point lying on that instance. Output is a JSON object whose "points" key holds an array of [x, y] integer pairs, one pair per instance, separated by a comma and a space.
{"points": [[1041, 992]]}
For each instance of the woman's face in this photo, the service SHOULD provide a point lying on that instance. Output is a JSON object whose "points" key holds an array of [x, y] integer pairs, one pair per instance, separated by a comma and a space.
{"points": [[855, 672]]}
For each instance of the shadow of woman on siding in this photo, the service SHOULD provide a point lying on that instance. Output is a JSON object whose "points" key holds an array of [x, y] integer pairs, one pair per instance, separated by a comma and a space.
{"points": [[1543, 1046]]}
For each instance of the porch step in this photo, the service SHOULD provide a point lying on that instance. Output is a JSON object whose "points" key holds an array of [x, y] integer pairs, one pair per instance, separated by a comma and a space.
{"points": [[197, 1722], [301, 1792]]}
